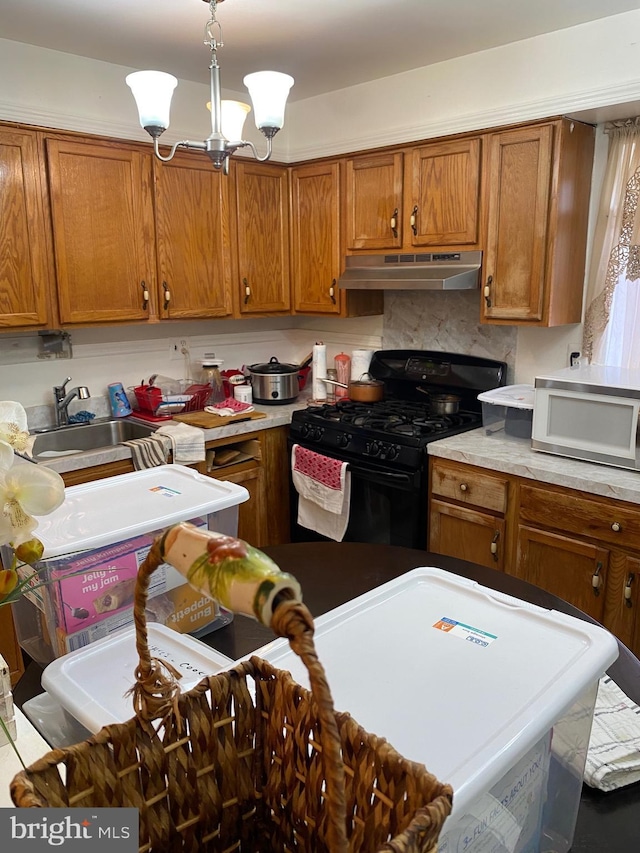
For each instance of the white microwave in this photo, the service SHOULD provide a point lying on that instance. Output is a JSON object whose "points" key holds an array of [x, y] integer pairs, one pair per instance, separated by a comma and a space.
{"points": [[589, 412]]}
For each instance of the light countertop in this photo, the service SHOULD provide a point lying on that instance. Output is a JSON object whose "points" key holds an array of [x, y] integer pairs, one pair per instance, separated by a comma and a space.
{"points": [[515, 456]]}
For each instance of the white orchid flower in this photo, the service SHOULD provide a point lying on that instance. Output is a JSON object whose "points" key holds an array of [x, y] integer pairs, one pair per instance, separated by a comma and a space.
{"points": [[14, 428], [25, 490]]}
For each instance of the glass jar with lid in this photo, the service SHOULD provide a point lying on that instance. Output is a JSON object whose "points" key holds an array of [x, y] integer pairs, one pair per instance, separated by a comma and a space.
{"points": [[211, 376]]}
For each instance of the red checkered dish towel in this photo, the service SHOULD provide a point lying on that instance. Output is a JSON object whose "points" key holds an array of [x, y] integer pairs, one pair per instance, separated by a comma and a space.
{"points": [[324, 490]]}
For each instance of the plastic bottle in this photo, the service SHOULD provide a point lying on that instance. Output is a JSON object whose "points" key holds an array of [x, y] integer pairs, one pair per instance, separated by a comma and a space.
{"points": [[211, 376]]}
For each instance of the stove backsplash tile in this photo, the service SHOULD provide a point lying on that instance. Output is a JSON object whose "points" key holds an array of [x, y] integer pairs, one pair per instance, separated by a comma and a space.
{"points": [[447, 322]]}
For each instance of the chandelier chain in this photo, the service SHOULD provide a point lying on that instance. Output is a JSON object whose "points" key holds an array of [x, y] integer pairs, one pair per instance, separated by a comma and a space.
{"points": [[210, 27]]}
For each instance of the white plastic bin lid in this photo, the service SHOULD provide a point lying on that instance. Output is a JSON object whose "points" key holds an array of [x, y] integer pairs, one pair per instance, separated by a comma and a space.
{"points": [[516, 396], [91, 683], [118, 508], [454, 675]]}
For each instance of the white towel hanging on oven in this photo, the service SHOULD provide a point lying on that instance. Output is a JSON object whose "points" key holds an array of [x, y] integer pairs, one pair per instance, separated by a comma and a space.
{"points": [[324, 492]]}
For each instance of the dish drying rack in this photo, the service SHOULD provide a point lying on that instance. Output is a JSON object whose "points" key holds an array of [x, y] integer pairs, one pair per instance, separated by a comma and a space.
{"points": [[151, 401]]}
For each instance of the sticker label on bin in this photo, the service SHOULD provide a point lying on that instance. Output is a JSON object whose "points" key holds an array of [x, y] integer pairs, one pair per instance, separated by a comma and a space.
{"points": [[465, 632], [166, 491]]}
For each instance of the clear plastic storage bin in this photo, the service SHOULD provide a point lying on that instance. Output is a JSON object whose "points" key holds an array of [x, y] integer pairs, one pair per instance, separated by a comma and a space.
{"points": [[93, 545], [494, 695], [508, 412]]}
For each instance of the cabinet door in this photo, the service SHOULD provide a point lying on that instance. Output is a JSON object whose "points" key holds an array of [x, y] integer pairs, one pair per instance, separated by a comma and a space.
{"points": [[9, 648], [518, 187], [442, 198], [315, 229], [192, 230], [569, 568], [252, 521], [262, 227], [103, 230], [467, 534], [373, 201], [25, 274], [623, 599]]}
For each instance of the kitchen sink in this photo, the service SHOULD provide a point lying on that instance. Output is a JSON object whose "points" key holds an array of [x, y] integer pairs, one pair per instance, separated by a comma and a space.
{"points": [[79, 438]]}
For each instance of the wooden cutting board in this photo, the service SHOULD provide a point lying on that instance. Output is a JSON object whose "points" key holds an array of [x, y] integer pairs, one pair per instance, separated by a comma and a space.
{"points": [[208, 421]]}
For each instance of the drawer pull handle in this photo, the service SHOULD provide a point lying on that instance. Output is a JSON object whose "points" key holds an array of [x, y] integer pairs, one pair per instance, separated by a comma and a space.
{"points": [[145, 295], [616, 527], [247, 290], [394, 223], [627, 590], [596, 580], [332, 291], [464, 487], [494, 545], [167, 295]]}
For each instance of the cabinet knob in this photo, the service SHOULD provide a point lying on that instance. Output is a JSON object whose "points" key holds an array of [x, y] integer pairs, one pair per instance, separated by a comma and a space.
{"points": [[414, 219], [394, 223], [464, 487], [167, 294], [247, 290], [145, 295], [627, 590], [616, 527], [332, 291], [596, 580]]}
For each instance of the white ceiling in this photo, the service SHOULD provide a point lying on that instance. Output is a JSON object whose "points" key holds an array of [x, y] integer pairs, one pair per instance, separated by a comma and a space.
{"points": [[324, 44]]}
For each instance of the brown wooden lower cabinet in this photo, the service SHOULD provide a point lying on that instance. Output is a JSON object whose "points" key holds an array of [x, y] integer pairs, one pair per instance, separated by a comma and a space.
{"points": [[581, 547], [9, 648], [569, 568]]}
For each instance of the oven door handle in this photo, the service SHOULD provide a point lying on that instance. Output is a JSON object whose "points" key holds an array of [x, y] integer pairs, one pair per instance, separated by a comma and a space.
{"points": [[384, 477]]}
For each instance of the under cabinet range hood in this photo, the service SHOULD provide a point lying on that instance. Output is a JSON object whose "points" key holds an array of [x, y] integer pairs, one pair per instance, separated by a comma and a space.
{"points": [[423, 271]]}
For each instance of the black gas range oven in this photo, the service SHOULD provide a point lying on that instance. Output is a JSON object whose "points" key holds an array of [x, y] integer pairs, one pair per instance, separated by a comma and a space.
{"points": [[385, 443]]}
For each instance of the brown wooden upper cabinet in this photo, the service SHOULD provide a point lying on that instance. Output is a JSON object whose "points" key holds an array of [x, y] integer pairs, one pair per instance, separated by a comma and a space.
{"points": [[25, 272], [103, 230], [538, 181], [192, 230], [262, 237], [316, 253], [423, 197]]}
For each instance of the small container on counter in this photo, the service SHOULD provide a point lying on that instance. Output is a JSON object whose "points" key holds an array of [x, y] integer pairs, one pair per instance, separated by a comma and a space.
{"points": [[343, 373], [118, 400], [243, 393], [332, 390], [211, 376]]}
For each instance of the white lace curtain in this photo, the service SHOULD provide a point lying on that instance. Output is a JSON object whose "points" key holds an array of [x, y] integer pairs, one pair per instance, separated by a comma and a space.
{"points": [[612, 320]]}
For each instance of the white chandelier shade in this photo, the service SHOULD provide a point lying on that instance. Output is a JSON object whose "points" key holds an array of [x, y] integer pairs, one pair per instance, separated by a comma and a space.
{"points": [[269, 91], [152, 91]]}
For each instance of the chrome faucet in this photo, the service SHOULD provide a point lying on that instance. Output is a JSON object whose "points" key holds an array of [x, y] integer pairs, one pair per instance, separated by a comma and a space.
{"points": [[62, 400]]}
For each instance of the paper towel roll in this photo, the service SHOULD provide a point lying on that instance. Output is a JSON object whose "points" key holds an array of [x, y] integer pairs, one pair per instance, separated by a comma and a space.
{"points": [[319, 370], [360, 361]]}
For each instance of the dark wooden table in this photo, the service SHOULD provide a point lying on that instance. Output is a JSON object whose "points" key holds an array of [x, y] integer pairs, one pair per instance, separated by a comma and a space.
{"points": [[331, 573]]}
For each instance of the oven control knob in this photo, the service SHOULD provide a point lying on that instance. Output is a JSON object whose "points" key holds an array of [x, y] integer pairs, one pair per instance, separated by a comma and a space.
{"points": [[393, 451], [373, 448], [316, 433], [343, 439], [306, 428]]}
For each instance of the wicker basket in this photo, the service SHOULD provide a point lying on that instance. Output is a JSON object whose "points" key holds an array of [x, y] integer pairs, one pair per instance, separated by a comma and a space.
{"points": [[247, 760]]}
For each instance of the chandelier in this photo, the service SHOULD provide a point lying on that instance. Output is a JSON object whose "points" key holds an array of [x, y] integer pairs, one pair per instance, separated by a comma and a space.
{"points": [[268, 90]]}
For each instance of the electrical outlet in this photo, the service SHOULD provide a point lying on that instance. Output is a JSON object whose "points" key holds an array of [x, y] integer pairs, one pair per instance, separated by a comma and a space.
{"points": [[574, 353], [178, 349]]}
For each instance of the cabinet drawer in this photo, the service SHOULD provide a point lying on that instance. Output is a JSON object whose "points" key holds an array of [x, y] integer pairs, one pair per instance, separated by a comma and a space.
{"points": [[608, 521], [469, 486]]}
